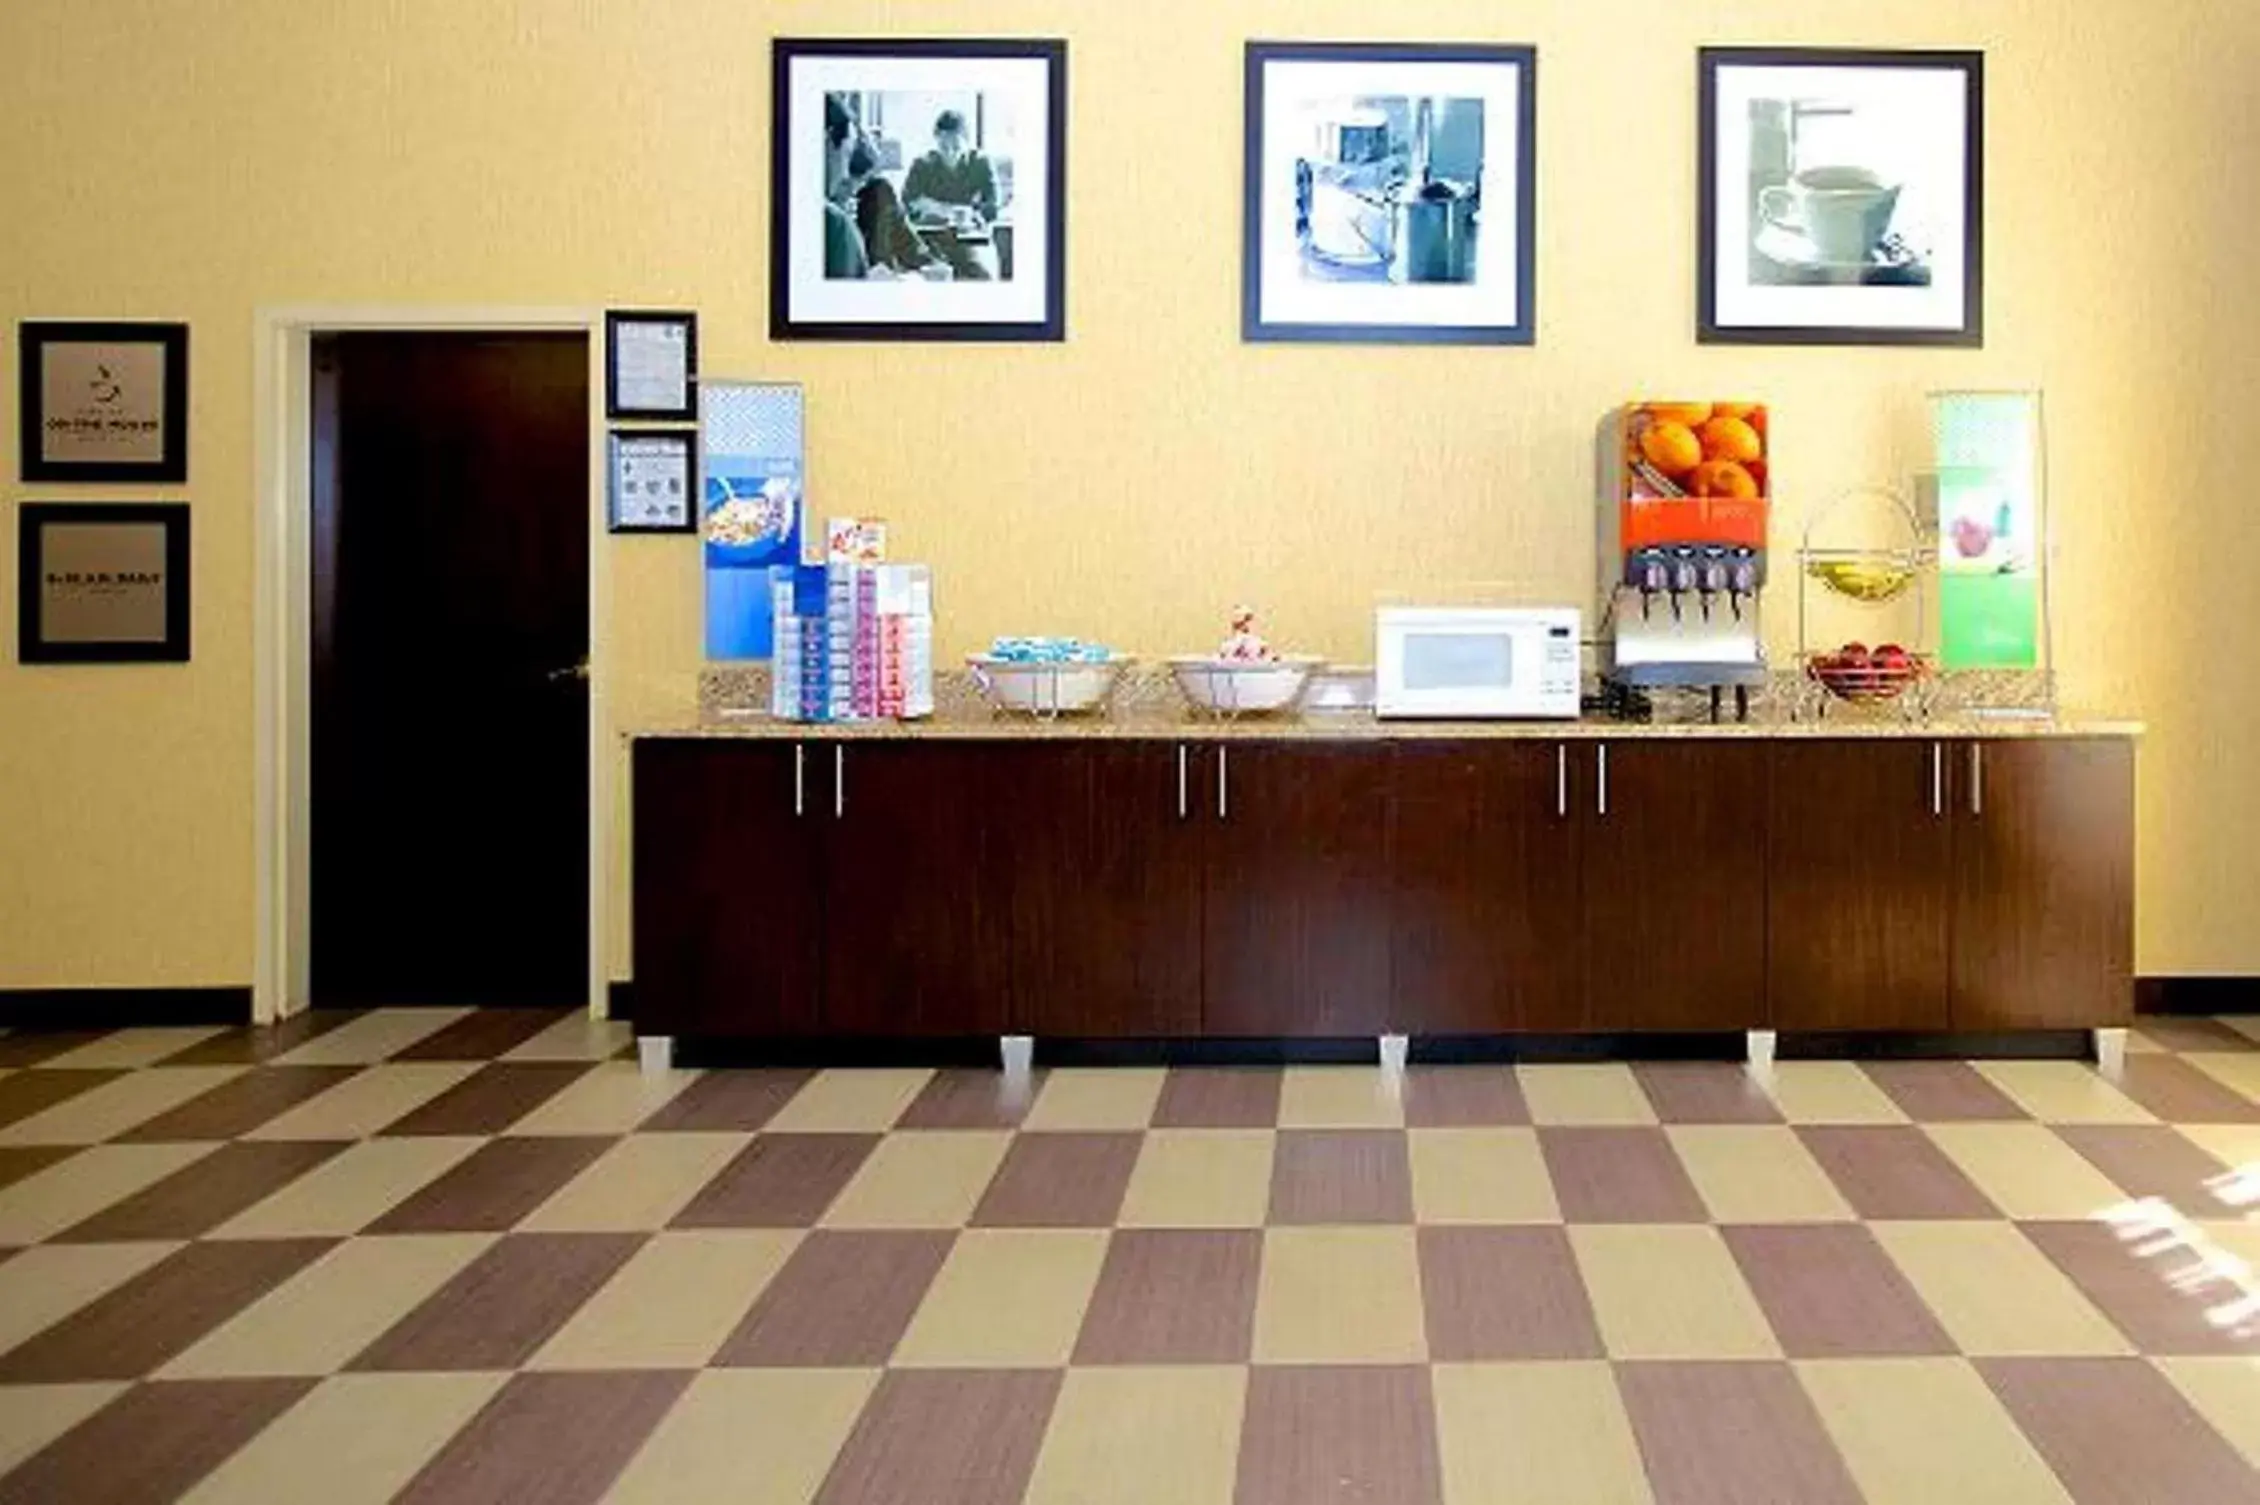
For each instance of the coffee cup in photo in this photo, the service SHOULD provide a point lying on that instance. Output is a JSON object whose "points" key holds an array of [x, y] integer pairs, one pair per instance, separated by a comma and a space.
{"points": [[1843, 211]]}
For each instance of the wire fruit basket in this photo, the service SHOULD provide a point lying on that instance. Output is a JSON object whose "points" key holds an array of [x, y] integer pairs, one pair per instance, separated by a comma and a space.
{"points": [[1865, 556]]}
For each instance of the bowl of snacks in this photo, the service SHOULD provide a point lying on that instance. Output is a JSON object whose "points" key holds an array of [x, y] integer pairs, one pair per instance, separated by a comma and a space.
{"points": [[1245, 675], [1046, 676], [1860, 675]]}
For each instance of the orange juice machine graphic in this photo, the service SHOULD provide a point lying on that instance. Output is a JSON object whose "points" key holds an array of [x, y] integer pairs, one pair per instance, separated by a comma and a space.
{"points": [[1689, 553]]}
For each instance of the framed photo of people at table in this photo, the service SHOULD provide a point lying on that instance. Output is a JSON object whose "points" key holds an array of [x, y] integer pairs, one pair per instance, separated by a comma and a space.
{"points": [[918, 190]]}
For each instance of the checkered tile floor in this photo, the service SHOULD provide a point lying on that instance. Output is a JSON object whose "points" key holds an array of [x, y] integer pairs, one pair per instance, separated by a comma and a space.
{"points": [[439, 1256]]}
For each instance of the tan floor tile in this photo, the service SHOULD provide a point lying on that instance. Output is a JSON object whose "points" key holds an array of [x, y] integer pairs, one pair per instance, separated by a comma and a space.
{"points": [[1927, 1429], [2247, 1025], [1536, 1434], [920, 1180], [2236, 1146], [1111, 1097], [41, 1286], [1669, 1291], [1602, 1092], [354, 1440], [70, 1191], [1757, 1173], [32, 1416], [637, 1185], [2027, 1171], [1340, 1097], [2226, 1392], [611, 1099], [1200, 1178], [345, 1195], [750, 1436], [2239, 1070], [2141, 1044], [1480, 1176], [671, 1305], [359, 1106], [1339, 1296], [850, 1101], [133, 1047], [1130, 1436], [1830, 1092], [2064, 1092], [575, 1038], [1995, 1294], [1006, 1298], [117, 1105], [372, 1037]]}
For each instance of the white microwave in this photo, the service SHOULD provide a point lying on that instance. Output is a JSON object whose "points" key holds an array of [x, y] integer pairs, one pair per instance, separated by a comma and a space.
{"points": [[1454, 661]]}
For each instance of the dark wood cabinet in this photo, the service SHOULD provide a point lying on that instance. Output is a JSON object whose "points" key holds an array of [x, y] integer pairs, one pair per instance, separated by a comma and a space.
{"points": [[1859, 851], [1295, 888], [1484, 923]]}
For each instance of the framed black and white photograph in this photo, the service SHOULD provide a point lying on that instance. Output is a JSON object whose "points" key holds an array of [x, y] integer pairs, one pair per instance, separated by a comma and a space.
{"points": [[102, 583], [104, 402], [918, 190], [1391, 193], [652, 481], [1842, 197], [650, 366]]}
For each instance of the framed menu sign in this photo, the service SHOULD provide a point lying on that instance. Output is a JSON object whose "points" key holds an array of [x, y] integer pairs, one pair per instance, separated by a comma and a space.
{"points": [[104, 402], [651, 366], [103, 583], [654, 481]]}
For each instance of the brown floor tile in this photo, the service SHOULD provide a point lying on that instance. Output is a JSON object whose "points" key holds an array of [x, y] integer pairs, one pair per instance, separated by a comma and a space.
{"points": [[1705, 1092], [252, 1045], [200, 1196], [1341, 1176], [1942, 1092], [2118, 1433], [1073, 1180], [1619, 1176], [240, 1104], [505, 1304], [1219, 1097], [731, 1102], [2179, 1093], [1174, 1296], [132, 1329], [482, 1035], [152, 1443], [557, 1438], [491, 1099], [1504, 1293], [972, 1099], [2148, 1160], [24, 1093], [1732, 1433], [2166, 1302], [1362, 1432], [1464, 1097], [1832, 1293], [959, 1437], [1894, 1173], [29, 1047], [778, 1181], [495, 1186], [2191, 1033], [20, 1160], [843, 1299]]}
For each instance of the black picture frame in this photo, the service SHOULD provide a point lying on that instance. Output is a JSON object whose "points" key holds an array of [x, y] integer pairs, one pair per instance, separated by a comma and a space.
{"points": [[783, 325], [685, 439], [1255, 329], [619, 411], [35, 519], [35, 337], [1969, 332]]}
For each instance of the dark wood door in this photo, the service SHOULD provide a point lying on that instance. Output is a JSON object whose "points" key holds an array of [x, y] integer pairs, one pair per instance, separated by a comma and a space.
{"points": [[1674, 883], [1295, 889], [1104, 857], [1858, 843], [728, 888], [1484, 925], [2043, 884], [916, 897], [449, 717]]}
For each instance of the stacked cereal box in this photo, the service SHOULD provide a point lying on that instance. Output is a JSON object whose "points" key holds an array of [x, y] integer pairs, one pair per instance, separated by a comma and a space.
{"points": [[855, 635]]}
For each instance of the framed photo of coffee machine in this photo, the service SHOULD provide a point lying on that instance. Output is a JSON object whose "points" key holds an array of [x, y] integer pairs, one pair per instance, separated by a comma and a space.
{"points": [[1842, 197], [1391, 193]]}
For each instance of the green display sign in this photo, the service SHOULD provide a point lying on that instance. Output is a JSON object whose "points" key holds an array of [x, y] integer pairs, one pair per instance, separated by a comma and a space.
{"points": [[1990, 548]]}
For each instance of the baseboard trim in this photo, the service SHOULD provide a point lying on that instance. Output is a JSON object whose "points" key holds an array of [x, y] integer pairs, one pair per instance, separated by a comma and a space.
{"points": [[2197, 995], [121, 1008], [1936, 1045]]}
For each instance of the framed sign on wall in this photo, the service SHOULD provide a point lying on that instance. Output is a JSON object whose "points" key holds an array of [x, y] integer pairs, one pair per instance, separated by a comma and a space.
{"points": [[651, 366], [653, 482], [103, 583], [103, 402]]}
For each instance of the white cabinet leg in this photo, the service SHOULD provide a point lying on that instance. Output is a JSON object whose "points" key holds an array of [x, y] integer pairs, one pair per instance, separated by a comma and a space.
{"points": [[2111, 1053], [1018, 1053], [1394, 1049], [655, 1053], [1760, 1046]]}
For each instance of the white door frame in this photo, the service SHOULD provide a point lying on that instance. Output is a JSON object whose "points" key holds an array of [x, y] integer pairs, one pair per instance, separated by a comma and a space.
{"points": [[282, 419]]}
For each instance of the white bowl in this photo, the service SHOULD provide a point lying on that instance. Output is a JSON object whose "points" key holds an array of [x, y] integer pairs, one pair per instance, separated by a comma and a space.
{"points": [[1044, 689], [1234, 686]]}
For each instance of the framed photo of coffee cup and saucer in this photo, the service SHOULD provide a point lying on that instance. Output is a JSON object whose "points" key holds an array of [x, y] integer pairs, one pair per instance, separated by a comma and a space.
{"points": [[1842, 197]]}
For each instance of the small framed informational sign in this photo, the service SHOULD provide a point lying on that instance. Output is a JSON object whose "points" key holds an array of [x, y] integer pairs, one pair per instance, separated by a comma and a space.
{"points": [[104, 402], [653, 481], [651, 366], [103, 583]]}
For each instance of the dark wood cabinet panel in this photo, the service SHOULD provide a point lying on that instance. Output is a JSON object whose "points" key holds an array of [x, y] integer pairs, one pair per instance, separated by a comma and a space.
{"points": [[1484, 928], [1859, 841], [726, 892], [2043, 890], [1295, 889], [1673, 879]]}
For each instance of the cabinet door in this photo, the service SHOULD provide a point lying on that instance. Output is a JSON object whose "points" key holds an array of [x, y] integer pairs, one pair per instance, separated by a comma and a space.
{"points": [[727, 881], [2043, 925], [1674, 883], [915, 933], [1484, 903], [1295, 889], [1104, 857], [1858, 838]]}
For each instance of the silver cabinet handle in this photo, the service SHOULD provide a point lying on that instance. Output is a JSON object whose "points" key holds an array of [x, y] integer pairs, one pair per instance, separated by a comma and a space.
{"points": [[1561, 780], [800, 778], [839, 782], [1223, 784], [1601, 788], [1938, 778], [1182, 810], [1977, 778]]}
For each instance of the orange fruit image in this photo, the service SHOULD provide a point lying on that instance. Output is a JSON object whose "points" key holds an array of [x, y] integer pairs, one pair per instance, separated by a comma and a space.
{"points": [[1671, 447], [1757, 470], [1693, 414], [1756, 418], [1733, 409], [1723, 478], [1731, 439]]}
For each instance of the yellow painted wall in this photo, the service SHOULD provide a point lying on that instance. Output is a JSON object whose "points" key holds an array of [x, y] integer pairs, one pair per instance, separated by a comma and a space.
{"points": [[199, 159]]}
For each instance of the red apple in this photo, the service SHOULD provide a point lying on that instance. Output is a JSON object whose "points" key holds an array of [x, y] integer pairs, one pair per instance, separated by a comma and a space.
{"points": [[1972, 537]]}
